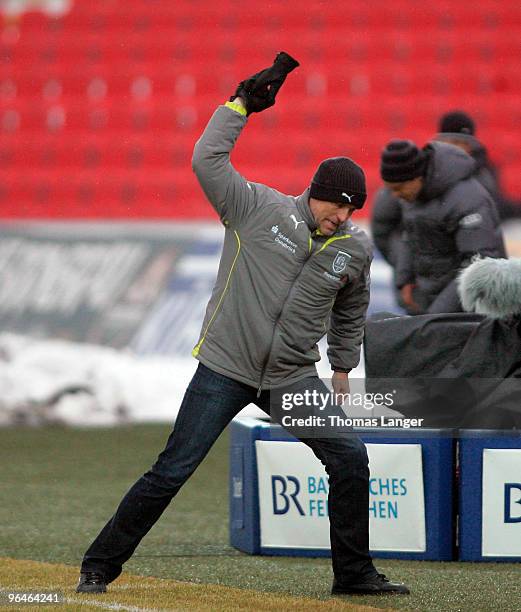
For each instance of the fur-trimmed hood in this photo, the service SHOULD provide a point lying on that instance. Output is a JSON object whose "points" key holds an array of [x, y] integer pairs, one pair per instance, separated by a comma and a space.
{"points": [[492, 287]]}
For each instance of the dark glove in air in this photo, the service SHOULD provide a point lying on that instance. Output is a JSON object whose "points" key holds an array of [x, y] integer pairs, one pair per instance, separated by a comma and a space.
{"points": [[259, 91]]}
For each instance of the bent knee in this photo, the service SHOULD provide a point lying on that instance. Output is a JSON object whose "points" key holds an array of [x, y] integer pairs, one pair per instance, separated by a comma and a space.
{"points": [[351, 454]]}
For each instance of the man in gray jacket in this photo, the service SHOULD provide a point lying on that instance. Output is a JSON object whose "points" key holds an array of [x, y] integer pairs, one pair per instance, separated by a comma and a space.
{"points": [[291, 269], [448, 217], [455, 128]]}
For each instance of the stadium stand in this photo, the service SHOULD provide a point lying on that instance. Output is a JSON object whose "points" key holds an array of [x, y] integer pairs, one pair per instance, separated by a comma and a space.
{"points": [[100, 107]]}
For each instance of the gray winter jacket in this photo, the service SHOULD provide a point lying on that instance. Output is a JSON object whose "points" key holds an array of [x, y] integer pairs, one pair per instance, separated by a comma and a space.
{"points": [[453, 219], [281, 285], [386, 213]]}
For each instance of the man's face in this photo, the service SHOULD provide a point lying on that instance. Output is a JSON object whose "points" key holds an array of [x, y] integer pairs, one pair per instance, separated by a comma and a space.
{"points": [[329, 215], [407, 190]]}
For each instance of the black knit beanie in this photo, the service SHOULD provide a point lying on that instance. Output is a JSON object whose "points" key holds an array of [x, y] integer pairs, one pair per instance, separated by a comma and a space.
{"points": [[402, 161], [339, 180], [456, 122]]}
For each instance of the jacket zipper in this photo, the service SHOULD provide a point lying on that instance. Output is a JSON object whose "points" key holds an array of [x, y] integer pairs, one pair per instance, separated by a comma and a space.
{"points": [[266, 361], [311, 253]]}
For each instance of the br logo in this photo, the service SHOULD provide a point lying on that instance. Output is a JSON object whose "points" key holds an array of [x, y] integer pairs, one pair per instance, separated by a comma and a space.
{"points": [[512, 502], [284, 493]]}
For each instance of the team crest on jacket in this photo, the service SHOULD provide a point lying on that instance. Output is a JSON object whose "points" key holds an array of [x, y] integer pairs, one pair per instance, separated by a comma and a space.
{"points": [[340, 262]]}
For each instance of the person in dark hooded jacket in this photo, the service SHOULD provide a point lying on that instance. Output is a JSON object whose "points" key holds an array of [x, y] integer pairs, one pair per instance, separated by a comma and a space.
{"points": [[447, 218], [457, 128]]}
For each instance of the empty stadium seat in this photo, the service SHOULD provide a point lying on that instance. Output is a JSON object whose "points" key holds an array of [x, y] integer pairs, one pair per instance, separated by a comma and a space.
{"points": [[100, 108]]}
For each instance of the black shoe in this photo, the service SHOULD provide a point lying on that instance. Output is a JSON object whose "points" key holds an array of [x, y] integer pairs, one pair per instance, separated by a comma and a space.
{"points": [[378, 584], [91, 582]]}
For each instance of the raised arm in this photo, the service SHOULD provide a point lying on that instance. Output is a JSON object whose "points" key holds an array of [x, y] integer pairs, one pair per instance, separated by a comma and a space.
{"points": [[229, 192]]}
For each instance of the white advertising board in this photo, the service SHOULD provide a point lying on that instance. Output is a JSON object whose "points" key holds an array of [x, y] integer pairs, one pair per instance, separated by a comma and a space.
{"points": [[293, 491], [501, 505]]}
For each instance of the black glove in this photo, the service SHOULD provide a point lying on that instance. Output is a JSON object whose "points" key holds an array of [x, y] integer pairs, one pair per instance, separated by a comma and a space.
{"points": [[259, 91]]}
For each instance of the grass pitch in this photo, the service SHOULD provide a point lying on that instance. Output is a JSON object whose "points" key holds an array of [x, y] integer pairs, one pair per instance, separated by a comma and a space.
{"points": [[147, 594], [59, 486]]}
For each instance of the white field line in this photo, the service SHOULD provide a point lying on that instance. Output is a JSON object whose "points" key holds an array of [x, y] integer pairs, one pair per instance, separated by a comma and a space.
{"points": [[108, 606]]}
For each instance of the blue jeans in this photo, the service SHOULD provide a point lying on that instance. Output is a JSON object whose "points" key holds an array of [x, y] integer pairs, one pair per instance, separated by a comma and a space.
{"points": [[211, 401]]}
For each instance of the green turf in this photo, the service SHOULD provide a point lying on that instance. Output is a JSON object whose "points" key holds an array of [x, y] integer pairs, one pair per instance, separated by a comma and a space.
{"points": [[58, 487]]}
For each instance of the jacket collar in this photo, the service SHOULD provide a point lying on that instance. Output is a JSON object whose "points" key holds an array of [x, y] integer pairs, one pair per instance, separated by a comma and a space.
{"points": [[302, 202]]}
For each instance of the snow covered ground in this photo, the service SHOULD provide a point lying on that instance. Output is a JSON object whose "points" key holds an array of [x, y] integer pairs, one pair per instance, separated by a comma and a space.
{"points": [[53, 381]]}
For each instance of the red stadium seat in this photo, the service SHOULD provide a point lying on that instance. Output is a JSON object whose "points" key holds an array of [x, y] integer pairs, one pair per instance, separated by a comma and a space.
{"points": [[100, 108]]}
